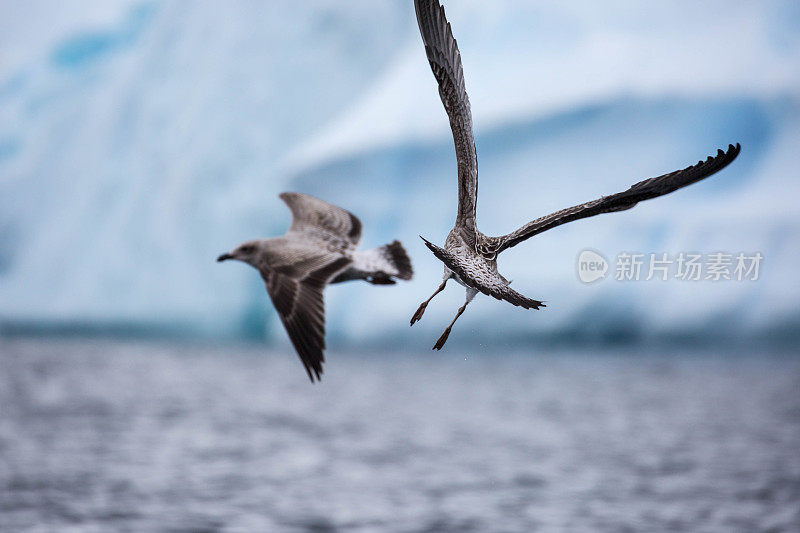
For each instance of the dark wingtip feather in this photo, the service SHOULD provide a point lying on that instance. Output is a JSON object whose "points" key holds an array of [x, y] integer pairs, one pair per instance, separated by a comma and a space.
{"points": [[314, 370], [732, 152]]}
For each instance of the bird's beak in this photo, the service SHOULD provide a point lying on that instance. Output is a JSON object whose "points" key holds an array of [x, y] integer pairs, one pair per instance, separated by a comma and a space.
{"points": [[224, 257]]}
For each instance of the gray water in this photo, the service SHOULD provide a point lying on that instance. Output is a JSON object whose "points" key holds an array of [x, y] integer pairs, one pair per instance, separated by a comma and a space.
{"points": [[136, 437]]}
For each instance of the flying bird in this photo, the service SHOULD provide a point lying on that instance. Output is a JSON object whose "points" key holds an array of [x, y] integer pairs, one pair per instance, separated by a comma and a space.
{"points": [[469, 256], [319, 248]]}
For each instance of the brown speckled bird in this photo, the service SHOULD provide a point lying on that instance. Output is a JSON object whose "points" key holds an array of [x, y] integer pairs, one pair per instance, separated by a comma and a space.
{"points": [[469, 256], [319, 248]]}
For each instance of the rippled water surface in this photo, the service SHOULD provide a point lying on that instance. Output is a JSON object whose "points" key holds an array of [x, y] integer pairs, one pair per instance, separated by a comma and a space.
{"points": [[137, 437]]}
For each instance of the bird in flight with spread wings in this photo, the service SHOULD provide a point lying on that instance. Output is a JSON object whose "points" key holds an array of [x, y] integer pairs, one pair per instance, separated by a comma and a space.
{"points": [[469, 256], [319, 248]]}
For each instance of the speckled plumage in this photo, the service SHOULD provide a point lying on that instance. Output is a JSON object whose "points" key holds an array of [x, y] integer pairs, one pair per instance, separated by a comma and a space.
{"points": [[319, 248], [469, 256]]}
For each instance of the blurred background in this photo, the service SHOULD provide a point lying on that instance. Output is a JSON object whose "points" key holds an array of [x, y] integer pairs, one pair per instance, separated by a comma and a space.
{"points": [[141, 139]]}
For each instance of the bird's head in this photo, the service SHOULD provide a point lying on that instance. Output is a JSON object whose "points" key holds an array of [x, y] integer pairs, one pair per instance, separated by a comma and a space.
{"points": [[247, 252]]}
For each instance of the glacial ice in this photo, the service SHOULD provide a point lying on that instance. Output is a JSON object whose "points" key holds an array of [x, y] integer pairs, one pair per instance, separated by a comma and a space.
{"points": [[139, 140]]}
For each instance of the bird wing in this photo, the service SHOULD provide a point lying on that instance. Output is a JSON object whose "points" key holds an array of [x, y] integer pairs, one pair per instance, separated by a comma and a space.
{"points": [[644, 190], [295, 283], [479, 276], [316, 217], [445, 60]]}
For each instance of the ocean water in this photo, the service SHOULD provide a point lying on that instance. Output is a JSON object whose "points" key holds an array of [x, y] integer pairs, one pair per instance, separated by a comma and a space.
{"points": [[111, 436]]}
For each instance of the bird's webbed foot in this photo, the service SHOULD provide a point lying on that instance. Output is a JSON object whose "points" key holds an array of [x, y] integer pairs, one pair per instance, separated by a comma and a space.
{"points": [[443, 339], [419, 313]]}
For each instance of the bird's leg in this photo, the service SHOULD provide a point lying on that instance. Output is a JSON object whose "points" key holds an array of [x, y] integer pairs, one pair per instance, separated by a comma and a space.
{"points": [[443, 338], [424, 304]]}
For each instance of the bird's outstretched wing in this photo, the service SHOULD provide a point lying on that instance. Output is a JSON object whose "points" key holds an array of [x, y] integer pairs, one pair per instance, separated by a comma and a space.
{"points": [[312, 216], [644, 190], [445, 60], [479, 276], [296, 288]]}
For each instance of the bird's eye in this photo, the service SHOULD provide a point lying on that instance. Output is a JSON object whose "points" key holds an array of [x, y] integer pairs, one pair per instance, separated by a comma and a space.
{"points": [[248, 249]]}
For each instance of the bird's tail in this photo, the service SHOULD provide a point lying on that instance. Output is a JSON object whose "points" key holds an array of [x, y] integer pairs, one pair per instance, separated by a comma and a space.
{"points": [[481, 278], [398, 264], [379, 266]]}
